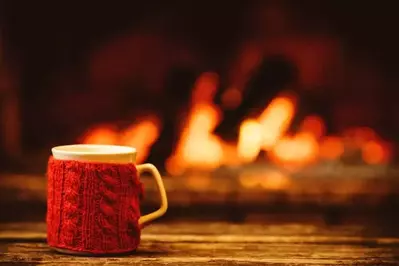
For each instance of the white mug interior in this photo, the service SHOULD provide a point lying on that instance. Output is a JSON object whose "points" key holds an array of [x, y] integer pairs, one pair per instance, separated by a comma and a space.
{"points": [[95, 153]]}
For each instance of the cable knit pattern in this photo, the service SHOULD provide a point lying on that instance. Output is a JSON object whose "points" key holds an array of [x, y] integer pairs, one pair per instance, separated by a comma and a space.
{"points": [[93, 207]]}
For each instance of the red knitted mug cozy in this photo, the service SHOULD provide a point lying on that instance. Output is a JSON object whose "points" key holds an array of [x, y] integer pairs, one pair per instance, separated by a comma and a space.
{"points": [[93, 207]]}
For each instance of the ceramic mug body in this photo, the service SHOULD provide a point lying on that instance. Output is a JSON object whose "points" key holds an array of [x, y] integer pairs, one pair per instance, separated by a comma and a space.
{"points": [[93, 199]]}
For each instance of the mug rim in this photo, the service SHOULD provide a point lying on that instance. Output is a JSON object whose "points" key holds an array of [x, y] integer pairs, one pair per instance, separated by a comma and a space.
{"points": [[93, 149]]}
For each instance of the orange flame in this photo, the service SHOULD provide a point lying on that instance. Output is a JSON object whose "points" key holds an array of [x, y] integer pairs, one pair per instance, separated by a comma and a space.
{"points": [[265, 131], [298, 150], [375, 152], [101, 134], [331, 148], [275, 120], [359, 136], [198, 146], [314, 125], [141, 135], [250, 140]]}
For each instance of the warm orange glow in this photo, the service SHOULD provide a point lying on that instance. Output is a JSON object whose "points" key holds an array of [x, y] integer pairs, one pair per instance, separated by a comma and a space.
{"points": [[331, 148], [199, 182], [198, 147], [314, 125], [141, 136], [231, 98], [359, 135], [267, 179], [249, 180], [275, 120], [102, 134], [205, 88], [374, 152], [299, 150], [274, 180], [250, 140]]}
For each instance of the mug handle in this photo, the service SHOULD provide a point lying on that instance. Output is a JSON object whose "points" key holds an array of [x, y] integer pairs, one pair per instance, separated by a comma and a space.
{"points": [[145, 219]]}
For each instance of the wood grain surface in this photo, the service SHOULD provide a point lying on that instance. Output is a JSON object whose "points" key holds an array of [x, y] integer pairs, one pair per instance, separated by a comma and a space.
{"points": [[182, 243]]}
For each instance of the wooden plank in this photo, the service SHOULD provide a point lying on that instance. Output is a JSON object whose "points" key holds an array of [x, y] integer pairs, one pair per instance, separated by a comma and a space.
{"points": [[220, 244], [211, 254]]}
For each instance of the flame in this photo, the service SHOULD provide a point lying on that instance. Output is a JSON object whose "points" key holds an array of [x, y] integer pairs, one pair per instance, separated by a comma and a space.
{"points": [[313, 124], [375, 152], [250, 140], [101, 134], [198, 147], [275, 120], [331, 148], [298, 150], [140, 135], [358, 136], [265, 131]]}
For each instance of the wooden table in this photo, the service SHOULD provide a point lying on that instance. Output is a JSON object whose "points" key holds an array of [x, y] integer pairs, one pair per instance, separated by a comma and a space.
{"points": [[214, 243]]}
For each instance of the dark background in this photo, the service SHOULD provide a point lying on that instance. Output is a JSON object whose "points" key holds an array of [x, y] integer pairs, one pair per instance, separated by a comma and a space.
{"points": [[50, 45]]}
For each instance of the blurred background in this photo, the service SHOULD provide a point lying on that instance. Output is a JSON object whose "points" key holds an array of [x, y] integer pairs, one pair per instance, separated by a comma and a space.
{"points": [[253, 110]]}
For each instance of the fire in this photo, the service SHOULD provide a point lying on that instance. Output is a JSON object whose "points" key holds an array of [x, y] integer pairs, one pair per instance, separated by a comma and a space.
{"points": [[275, 120], [314, 125], [373, 149], [102, 134], [265, 131], [331, 148], [198, 147], [250, 140], [298, 150], [140, 135], [375, 152], [360, 135]]}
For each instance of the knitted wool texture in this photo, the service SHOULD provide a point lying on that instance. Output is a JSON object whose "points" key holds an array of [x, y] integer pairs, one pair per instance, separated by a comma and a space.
{"points": [[93, 207]]}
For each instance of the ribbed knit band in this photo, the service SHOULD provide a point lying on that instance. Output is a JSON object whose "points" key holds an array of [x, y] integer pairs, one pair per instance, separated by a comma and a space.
{"points": [[93, 207]]}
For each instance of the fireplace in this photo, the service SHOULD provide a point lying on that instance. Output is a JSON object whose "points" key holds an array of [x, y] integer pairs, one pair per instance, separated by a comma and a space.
{"points": [[269, 104]]}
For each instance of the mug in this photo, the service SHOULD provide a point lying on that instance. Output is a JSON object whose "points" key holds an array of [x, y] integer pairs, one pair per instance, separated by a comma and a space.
{"points": [[93, 199]]}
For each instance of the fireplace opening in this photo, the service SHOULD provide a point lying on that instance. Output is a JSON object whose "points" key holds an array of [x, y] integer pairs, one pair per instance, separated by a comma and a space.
{"points": [[266, 96]]}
